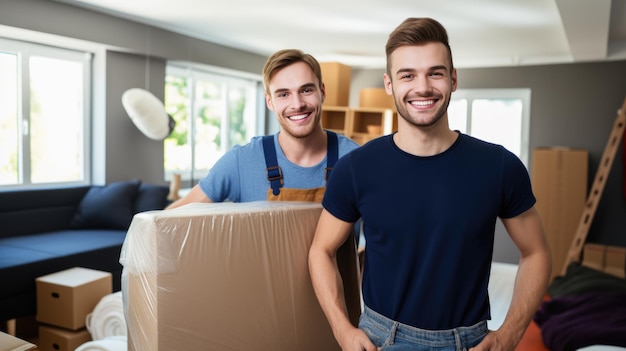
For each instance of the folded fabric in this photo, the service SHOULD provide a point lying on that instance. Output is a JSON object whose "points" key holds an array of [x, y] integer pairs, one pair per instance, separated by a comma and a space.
{"points": [[107, 319], [580, 279], [572, 322]]}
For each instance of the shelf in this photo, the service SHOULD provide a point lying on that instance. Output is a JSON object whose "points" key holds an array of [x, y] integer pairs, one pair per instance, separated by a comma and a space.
{"points": [[336, 118], [361, 124]]}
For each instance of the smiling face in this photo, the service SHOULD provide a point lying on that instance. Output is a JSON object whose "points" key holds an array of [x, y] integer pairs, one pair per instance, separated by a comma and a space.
{"points": [[296, 96], [422, 81]]}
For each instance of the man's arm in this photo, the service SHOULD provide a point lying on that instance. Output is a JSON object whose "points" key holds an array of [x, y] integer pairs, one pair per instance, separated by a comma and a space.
{"points": [[531, 282], [331, 233], [194, 195]]}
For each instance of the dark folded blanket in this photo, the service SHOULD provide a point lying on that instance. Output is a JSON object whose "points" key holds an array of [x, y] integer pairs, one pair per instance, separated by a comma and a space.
{"points": [[580, 279], [572, 322]]}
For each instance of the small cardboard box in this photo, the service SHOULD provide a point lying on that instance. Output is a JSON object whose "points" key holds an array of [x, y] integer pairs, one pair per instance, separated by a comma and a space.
{"points": [[11, 343], [376, 97], [594, 256], [65, 298], [59, 339]]}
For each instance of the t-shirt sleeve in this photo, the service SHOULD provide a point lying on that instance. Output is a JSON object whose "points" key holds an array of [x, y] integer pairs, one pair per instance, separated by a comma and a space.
{"points": [[518, 194], [222, 181], [340, 196]]}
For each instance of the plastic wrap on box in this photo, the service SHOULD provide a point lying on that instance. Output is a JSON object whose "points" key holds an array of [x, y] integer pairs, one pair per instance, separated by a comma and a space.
{"points": [[228, 276]]}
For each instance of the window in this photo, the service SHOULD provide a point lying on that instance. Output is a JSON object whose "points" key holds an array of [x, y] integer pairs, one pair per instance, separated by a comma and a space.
{"points": [[214, 111], [43, 114], [499, 116]]}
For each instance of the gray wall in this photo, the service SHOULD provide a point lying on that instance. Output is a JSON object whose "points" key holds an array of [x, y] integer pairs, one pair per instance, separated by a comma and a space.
{"points": [[572, 105]]}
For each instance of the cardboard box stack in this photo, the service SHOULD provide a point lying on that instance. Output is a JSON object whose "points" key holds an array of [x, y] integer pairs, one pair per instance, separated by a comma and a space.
{"points": [[337, 79], [64, 299], [228, 276], [559, 177]]}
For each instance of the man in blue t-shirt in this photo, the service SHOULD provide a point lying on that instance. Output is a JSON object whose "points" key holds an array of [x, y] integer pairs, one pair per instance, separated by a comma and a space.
{"points": [[429, 198], [299, 153]]}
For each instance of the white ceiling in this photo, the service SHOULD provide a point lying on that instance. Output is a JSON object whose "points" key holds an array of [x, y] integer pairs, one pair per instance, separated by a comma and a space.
{"points": [[483, 33]]}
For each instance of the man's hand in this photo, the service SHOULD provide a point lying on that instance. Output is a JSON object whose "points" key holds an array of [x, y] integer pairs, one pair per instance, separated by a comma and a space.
{"points": [[492, 342], [356, 340]]}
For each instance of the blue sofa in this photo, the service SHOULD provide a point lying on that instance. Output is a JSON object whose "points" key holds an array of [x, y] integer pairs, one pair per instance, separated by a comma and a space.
{"points": [[43, 231]]}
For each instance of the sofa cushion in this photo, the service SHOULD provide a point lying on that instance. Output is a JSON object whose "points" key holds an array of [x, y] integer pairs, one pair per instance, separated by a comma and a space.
{"points": [[151, 197], [107, 207]]}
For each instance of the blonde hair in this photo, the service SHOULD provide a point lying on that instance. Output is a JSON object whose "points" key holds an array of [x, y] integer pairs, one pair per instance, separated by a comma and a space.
{"points": [[284, 58]]}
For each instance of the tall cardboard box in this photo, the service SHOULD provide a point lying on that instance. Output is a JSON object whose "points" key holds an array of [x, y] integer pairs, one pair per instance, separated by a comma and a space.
{"points": [[337, 78], [559, 180], [228, 276], [65, 298]]}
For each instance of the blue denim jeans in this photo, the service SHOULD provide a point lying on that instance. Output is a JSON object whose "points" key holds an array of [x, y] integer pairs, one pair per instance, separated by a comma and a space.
{"points": [[388, 334]]}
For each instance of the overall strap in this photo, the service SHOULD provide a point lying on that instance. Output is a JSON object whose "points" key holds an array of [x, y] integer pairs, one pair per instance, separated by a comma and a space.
{"points": [[332, 152], [273, 170], [274, 173]]}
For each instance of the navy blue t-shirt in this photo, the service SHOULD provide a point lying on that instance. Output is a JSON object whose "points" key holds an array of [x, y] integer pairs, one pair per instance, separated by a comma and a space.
{"points": [[429, 225]]}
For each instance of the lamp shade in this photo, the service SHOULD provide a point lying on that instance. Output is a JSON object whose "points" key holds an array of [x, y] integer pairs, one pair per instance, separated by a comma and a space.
{"points": [[147, 113]]}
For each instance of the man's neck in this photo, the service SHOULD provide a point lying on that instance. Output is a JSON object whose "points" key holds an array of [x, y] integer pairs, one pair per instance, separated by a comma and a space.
{"points": [[305, 152], [424, 141]]}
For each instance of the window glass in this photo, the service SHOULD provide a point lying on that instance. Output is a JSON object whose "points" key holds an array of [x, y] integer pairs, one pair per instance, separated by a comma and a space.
{"points": [[56, 120], [500, 116], [213, 113], [8, 119], [44, 111]]}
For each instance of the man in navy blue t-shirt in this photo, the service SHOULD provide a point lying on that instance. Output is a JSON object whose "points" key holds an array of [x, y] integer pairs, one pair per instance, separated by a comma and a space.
{"points": [[429, 198]]}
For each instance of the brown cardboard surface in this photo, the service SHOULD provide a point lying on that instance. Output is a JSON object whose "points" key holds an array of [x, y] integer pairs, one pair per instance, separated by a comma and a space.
{"points": [[65, 298], [375, 97], [59, 339], [11, 343], [228, 276], [559, 180], [594, 256], [337, 78], [615, 261]]}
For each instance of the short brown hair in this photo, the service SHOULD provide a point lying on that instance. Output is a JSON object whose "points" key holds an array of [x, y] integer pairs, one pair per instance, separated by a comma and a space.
{"points": [[284, 58], [416, 31]]}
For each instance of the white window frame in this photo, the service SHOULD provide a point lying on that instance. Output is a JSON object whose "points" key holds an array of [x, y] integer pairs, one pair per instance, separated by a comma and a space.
{"points": [[24, 50], [195, 70], [523, 94]]}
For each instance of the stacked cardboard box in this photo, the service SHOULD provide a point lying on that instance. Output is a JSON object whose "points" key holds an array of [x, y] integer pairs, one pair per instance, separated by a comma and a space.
{"points": [[559, 177], [228, 276], [64, 299], [337, 78]]}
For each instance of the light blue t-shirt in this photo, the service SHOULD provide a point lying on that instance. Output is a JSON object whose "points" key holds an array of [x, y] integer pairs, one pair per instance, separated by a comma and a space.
{"points": [[240, 175]]}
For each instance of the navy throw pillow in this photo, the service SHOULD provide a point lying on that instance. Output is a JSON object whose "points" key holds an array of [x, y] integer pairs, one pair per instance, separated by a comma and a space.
{"points": [[151, 197], [107, 207]]}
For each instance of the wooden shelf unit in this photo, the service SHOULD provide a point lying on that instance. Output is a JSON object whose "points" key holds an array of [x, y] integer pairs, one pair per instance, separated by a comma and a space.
{"points": [[336, 118], [359, 123]]}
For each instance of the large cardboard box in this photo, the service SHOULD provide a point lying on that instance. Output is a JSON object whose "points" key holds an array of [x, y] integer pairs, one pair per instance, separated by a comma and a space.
{"points": [[59, 339], [228, 276], [376, 98], [11, 343], [559, 180], [65, 298], [337, 78]]}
